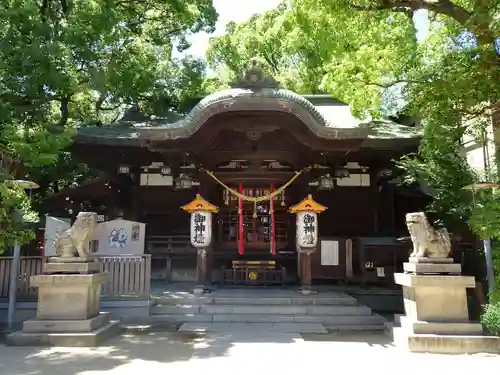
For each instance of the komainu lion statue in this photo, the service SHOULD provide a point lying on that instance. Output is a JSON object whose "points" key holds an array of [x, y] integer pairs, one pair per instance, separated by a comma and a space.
{"points": [[76, 240], [427, 241]]}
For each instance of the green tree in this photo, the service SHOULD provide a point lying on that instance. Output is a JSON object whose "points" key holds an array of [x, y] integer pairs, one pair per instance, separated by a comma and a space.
{"points": [[366, 53], [312, 48], [70, 63]]}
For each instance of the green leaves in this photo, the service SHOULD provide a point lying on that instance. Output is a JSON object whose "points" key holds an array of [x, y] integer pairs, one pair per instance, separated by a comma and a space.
{"points": [[68, 63], [13, 198], [323, 46], [365, 53], [442, 167]]}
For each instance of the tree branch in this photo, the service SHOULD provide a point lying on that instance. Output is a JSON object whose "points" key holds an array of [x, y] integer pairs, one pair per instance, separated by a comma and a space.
{"points": [[64, 108], [445, 7], [484, 110], [389, 85]]}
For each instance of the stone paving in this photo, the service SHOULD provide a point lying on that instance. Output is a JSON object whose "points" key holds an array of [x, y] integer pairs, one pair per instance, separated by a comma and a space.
{"points": [[177, 353]]}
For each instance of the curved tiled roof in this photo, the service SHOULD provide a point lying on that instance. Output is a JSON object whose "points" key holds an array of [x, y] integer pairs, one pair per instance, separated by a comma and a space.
{"points": [[252, 92], [240, 99], [279, 94]]}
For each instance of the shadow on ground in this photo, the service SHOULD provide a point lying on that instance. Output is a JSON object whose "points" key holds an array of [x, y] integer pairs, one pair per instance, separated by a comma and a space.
{"points": [[139, 347]]}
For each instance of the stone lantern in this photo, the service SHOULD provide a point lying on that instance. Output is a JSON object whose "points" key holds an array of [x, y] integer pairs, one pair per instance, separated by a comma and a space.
{"points": [[201, 236], [306, 236]]}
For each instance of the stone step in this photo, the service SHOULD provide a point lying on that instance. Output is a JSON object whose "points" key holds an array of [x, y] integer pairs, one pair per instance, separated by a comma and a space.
{"points": [[187, 299], [330, 320], [397, 319], [341, 300], [355, 328], [261, 309], [388, 328], [337, 301], [253, 328], [73, 339]]}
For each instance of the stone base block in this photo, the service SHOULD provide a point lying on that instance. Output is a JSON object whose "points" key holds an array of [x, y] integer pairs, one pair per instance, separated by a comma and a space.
{"points": [[435, 298], [68, 297], [307, 291], [430, 260], [432, 268], [199, 290], [440, 328], [72, 339], [61, 326], [82, 268], [439, 281], [446, 344], [88, 259]]}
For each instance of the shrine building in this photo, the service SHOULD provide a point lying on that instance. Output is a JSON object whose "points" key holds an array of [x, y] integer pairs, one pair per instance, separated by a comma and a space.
{"points": [[254, 151]]}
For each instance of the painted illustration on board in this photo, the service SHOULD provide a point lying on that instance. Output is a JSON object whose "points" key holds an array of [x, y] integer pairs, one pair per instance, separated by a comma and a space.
{"points": [[136, 232], [118, 238]]}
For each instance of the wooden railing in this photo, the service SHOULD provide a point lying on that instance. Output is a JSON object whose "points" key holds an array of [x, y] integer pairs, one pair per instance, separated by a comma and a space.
{"points": [[29, 266], [129, 276], [176, 244]]}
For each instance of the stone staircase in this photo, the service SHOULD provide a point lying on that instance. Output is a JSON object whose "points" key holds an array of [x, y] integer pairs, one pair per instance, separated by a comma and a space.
{"points": [[266, 309]]}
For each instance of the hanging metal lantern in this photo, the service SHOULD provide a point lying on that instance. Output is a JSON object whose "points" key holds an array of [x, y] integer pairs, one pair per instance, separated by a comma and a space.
{"points": [[165, 171], [342, 173], [201, 221], [307, 222], [124, 169], [326, 182], [183, 182]]}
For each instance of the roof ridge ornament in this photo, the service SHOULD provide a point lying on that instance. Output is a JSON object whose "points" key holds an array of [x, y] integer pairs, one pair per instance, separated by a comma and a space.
{"points": [[255, 78]]}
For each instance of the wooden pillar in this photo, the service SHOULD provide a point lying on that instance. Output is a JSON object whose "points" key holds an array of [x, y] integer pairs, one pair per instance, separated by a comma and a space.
{"points": [[392, 209], [376, 203], [301, 189], [305, 272], [203, 257], [134, 202], [348, 259], [168, 266], [201, 266]]}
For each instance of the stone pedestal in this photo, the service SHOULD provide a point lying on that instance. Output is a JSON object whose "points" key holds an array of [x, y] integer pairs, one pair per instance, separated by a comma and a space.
{"points": [[68, 311], [437, 317]]}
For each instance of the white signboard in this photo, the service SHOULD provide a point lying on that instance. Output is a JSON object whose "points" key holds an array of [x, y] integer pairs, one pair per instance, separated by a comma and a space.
{"points": [[380, 272], [53, 227], [119, 237], [307, 229], [201, 228], [329, 253]]}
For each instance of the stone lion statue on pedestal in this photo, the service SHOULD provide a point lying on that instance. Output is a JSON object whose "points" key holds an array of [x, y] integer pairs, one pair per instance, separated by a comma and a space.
{"points": [[427, 241], [75, 241]]}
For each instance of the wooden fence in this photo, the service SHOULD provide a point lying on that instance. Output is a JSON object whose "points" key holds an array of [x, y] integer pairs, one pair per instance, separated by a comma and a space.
{"points": [[129, 276], [29, 266]]}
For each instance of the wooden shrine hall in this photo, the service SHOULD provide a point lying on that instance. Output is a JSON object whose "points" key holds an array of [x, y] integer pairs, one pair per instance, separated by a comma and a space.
{"points": [[254, 151]]}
